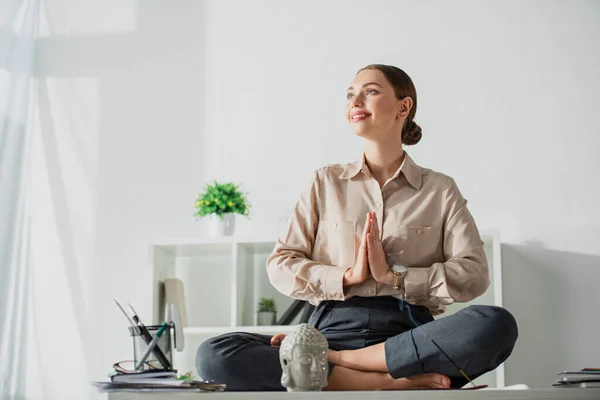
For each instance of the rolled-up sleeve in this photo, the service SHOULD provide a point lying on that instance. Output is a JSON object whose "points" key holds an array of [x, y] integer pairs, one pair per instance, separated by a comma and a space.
{"points": [[289, 267], [464, 276]]}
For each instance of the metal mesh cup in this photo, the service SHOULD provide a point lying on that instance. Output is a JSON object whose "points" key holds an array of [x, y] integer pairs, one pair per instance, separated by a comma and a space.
{"points": [[140, 346]]}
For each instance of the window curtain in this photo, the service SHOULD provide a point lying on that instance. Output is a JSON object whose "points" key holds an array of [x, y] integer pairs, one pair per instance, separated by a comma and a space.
{"points": [[19, 22], [45, 336]]}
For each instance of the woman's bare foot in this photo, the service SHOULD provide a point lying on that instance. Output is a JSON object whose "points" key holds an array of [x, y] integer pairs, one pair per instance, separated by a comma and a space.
{"points": [[423, 381], [342, 378]]}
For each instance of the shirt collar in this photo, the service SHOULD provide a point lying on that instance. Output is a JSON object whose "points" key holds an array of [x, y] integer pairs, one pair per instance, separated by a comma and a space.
{"points": [[411, 171], [352, 169]]}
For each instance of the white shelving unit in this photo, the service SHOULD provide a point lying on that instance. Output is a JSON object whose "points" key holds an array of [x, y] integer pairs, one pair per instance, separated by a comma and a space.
{"points": [[224, 278]]}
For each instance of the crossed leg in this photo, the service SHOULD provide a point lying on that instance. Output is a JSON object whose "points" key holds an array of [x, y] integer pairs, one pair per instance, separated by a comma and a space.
{"points": [[248, 362], [478, 338]]}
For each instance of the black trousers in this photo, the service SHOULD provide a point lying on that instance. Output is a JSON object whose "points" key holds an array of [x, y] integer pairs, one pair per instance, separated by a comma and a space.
{"points": [[477, 338]]}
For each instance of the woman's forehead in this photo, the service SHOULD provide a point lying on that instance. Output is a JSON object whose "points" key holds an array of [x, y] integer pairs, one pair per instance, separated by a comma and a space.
{"points": [[366, 76]]}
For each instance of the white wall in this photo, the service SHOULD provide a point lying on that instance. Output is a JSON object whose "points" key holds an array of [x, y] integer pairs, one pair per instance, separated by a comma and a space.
{"points": [[183, 92]]}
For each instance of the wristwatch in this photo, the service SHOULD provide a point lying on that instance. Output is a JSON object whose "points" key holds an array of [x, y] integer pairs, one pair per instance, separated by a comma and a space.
{"points": [[399, 272]]}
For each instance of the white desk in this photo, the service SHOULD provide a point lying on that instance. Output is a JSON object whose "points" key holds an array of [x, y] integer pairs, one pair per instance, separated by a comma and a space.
{"points": [[530, 394]]}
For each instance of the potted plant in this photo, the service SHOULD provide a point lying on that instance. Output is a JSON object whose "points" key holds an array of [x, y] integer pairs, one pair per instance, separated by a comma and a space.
{"points": [[220, 202], [267, 312]]}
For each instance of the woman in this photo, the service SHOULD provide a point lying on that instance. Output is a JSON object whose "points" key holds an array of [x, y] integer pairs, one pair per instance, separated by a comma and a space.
{"points": [[353, 223]]}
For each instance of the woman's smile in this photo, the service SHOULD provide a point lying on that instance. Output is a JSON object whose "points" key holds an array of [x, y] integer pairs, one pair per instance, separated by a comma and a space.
{"points": [[358, 116]]}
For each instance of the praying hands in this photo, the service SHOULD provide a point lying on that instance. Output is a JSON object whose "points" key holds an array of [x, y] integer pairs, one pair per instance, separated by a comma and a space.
{"points": [[371, 257]]}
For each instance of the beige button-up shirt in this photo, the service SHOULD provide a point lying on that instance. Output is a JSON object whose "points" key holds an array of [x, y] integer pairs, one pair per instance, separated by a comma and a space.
{"points": [[424, 223]]}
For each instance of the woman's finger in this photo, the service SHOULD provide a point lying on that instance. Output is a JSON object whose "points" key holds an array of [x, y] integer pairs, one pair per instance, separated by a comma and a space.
{"points": [[363, 241], [375, 226], [367, 225], [370, 251], [362, 251], [366, 230], [277, 339]]}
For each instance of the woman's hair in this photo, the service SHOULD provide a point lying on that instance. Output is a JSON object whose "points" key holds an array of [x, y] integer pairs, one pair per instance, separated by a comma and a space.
{"points": [[403, 86]]}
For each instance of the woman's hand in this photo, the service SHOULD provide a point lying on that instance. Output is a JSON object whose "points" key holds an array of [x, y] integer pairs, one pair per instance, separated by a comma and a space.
{"points": [[277, 339], [360, 271], [376, 256]]}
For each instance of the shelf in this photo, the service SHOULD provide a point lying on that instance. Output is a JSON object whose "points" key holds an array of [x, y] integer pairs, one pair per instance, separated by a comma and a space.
{"points": [[227, 329], [213, 240], [193, 247]]}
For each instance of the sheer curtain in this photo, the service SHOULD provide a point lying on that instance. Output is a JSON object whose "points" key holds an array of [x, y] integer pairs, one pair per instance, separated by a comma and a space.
{"points": [[18, 31], [45, 334]]}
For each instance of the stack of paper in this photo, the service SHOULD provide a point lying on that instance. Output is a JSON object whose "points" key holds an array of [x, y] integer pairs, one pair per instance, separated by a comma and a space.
{"points": [[155, 381], [164, 386], [151, 375], [185, 386], [586, 378]]}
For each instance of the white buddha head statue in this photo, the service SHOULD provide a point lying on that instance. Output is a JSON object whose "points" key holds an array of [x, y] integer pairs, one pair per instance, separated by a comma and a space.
{"points": [[303, 358]]}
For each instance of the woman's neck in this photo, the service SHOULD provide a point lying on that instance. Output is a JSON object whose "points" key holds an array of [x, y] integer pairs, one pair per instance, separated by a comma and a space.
{"points": [[383, 159]]}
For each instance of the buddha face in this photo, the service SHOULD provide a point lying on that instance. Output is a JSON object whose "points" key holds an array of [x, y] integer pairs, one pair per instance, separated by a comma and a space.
{"points": [[303, 356], [309, 368]]}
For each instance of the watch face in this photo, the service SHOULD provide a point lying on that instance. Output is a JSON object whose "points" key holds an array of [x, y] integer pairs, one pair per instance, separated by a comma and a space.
{"points": [[399, 268]]}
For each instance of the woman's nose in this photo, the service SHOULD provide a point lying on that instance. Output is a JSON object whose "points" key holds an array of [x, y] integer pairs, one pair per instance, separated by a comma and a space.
{"points": [[357, 101]]}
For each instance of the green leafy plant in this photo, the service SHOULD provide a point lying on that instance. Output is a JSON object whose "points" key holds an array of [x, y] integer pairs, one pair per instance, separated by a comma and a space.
{"points": [[266, 304], [220, 198], [188, 376]]}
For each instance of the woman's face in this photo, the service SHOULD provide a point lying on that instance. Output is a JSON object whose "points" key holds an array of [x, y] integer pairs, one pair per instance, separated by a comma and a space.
{"points": [[372, 109]]}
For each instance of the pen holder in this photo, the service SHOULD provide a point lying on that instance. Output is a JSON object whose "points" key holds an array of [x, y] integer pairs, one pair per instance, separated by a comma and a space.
{"points": [[140, 345]]}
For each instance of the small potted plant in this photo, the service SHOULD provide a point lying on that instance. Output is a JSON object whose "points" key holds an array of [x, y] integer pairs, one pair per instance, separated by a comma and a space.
{"points": [[267, 312], [220, 202]]}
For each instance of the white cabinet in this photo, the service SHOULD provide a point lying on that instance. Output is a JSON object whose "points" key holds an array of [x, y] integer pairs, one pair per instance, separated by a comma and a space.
{"points": [[224, 278]]}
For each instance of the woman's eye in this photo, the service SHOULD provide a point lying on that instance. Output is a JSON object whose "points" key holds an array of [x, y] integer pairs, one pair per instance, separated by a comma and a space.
{"points": [[349, 96], [372, 91]]}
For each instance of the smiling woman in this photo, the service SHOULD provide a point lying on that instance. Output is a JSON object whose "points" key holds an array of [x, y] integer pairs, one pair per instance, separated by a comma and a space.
{"points": [[379, 246], [374, 97]]}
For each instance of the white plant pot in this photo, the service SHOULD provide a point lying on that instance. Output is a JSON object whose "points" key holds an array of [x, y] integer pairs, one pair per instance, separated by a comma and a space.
{"points": [[264, 318], [224, 226]]}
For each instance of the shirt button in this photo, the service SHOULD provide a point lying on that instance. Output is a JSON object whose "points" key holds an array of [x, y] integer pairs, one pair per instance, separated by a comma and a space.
{"points": [[419, 231], [371, 292], [334, 225], [378, 205]]}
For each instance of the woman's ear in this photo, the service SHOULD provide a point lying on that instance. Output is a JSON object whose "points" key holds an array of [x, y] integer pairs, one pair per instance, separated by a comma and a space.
{"points": [[404, 107]]}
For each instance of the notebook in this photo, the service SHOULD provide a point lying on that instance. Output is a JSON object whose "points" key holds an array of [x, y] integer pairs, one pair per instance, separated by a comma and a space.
{"points": [[144, 375], [587, 377]]}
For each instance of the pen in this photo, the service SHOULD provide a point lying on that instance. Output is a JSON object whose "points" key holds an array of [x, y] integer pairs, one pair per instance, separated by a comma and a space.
{"points": [[160, 356], [151, 345]]}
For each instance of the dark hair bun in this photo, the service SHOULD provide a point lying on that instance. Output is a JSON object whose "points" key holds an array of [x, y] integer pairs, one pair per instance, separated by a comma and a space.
{"points": [[411, 134]]}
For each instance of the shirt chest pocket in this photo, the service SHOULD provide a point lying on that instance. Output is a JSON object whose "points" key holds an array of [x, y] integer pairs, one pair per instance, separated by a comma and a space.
{"points": [[418, 245], [335, 243]]}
